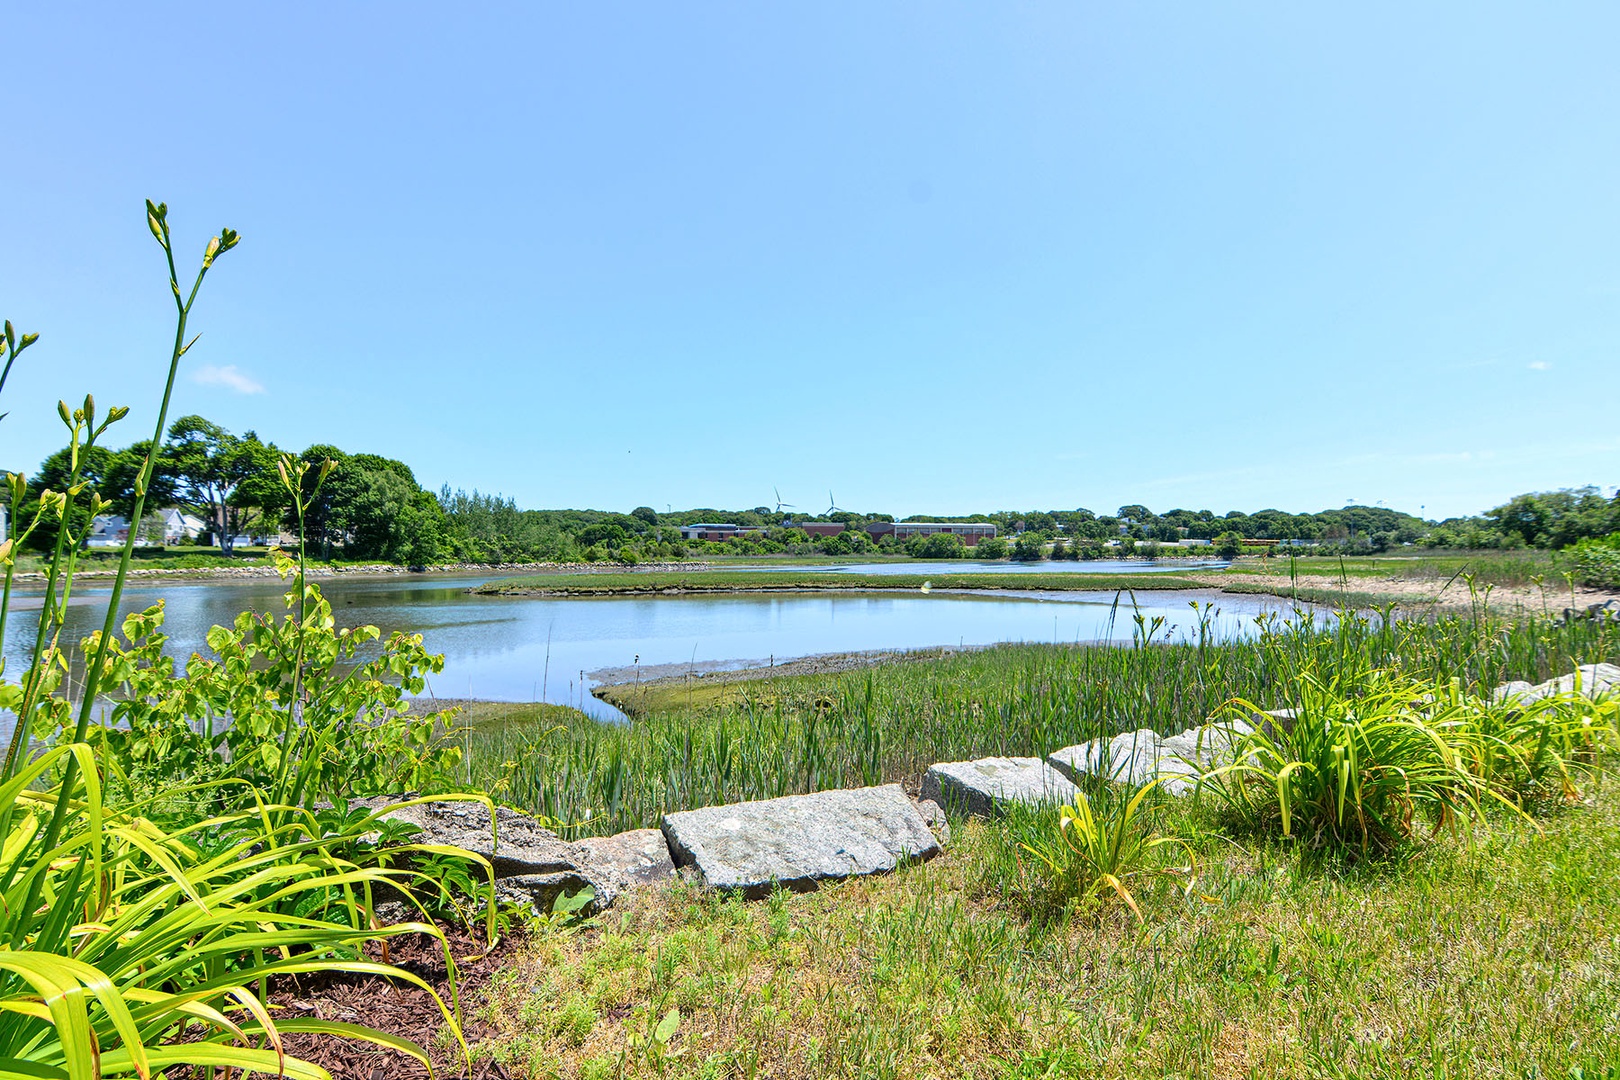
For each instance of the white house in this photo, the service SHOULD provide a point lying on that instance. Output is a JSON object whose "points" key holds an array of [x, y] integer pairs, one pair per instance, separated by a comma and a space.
{"points": [[179, 525], [108, 530]]}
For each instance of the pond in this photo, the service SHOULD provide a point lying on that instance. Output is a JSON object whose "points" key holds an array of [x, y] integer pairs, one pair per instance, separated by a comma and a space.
{"points": [[558, 648]]}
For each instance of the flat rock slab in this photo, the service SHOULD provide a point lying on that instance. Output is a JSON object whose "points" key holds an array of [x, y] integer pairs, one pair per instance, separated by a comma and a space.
{"points": [[519, 845], [1130, 757], [984, 787], [1137, 757], [799, 840], [531, 862], [1594, 680]]}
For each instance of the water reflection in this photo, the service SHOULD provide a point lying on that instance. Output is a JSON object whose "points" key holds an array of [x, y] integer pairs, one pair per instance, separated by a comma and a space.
{"points": [[541, 648]]}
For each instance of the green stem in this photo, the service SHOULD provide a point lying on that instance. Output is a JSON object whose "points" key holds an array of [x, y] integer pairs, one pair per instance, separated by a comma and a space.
{"points": [[47, 615], [53, 830], [295, 707]]}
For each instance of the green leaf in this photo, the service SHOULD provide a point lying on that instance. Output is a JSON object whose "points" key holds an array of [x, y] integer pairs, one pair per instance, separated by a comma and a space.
{"points": [[667, 1027], [565, 904]]}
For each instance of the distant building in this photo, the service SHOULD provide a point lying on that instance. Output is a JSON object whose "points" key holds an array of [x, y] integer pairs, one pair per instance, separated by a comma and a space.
{"points": [[108, 530], [179, 525], [971, 532], [718, 532], [112, 530]]}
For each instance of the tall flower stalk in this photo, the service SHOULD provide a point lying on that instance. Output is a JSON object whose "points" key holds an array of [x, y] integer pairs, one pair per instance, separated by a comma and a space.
{"points": [[157, 222]]}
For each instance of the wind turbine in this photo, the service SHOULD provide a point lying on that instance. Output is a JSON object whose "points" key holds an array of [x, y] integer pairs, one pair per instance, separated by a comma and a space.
{"points": [[780, 505], [832, 505]]}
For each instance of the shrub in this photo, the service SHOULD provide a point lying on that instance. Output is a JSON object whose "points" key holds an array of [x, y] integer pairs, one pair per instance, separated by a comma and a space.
{"points": [[991, 547], [1597, 562], [287, 708], [1088, 549], [1030, 547], [937, 546], [1228, 545]]}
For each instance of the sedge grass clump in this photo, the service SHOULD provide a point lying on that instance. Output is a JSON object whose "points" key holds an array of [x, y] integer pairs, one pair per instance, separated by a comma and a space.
{"points": [[1087, 853], [1369, 758], [1356, 769], [1536, 753]]}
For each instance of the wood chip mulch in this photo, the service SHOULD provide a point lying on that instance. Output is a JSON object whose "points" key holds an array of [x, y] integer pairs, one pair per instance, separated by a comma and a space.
{"points": [[396, 1008]]}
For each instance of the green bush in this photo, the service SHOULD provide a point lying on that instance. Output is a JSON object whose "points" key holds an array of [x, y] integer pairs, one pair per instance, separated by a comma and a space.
{"points": [[1030, 547], [937, 546], [1597, 562], [287, 708], [991, 547]]}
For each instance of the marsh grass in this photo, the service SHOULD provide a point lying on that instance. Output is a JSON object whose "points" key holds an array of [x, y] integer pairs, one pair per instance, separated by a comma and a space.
{"points": [[703, 581], [796, 734]]}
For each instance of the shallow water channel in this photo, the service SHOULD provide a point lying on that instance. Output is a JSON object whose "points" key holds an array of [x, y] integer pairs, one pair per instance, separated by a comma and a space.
{"points": [[556, 649]]}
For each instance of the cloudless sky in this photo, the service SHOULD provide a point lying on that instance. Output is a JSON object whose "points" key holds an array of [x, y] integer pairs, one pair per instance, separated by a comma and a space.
{"points": [[931, 256]]}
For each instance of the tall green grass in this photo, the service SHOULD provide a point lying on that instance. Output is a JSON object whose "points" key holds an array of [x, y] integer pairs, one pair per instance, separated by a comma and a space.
{"points": [[807, 733]]}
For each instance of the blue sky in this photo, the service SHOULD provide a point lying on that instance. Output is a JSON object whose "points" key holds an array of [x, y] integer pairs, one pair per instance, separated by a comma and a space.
{"points": [[934, 257]]}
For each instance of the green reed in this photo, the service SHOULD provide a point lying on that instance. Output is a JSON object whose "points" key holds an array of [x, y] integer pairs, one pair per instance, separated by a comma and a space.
{"points": [[804, 733]]}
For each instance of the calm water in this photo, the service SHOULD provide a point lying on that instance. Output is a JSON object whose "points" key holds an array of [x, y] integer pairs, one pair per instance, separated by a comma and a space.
{"points": [[527, 648], [968, 566]]}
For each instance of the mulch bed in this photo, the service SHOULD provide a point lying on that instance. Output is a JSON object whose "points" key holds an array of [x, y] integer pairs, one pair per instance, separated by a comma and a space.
{"points": [[396, 1008]]}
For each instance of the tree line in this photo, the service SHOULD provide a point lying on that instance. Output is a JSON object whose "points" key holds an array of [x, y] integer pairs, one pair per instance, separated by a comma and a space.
{"points": [[371, 507], [367, 507]]}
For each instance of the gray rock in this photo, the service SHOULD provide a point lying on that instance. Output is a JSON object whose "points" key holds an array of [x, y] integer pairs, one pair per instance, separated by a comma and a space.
{"points": [[519, 845], [532, 863], [1210, 746], [1591, 680], [983, 787], [1513, 689], [540, 891], [1595, 680], [1185, 759], [1137, 757], [934, 814], [799, 840], [1129, 757], [638, 857]]}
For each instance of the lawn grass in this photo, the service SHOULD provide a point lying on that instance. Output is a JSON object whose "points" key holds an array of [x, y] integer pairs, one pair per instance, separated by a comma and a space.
{"points": [[1487, 955]]}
